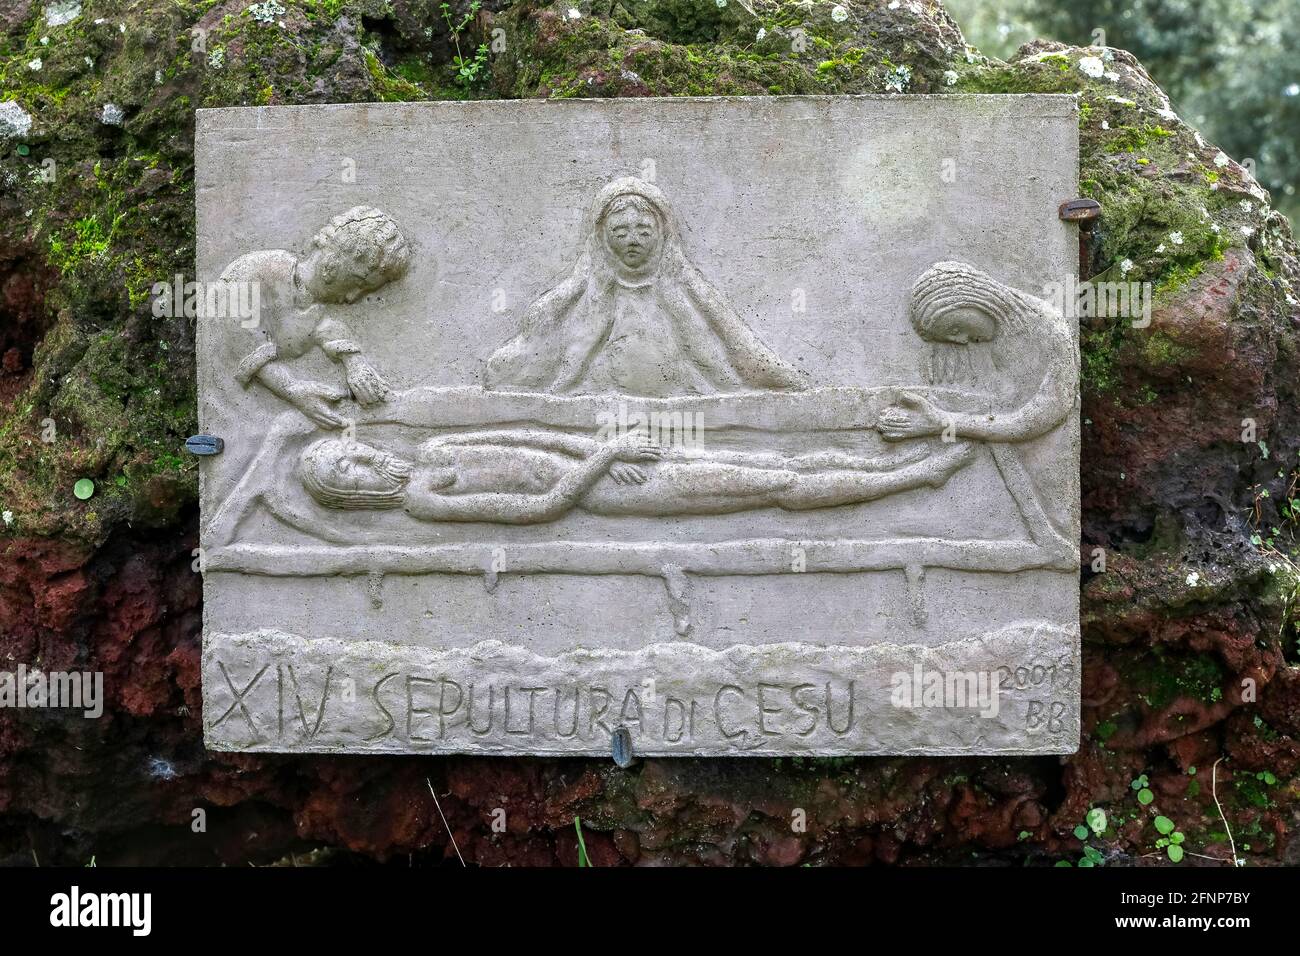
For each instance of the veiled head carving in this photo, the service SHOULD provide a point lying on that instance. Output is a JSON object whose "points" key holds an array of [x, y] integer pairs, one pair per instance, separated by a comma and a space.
{"points": [[633, 232], [971, 318]]}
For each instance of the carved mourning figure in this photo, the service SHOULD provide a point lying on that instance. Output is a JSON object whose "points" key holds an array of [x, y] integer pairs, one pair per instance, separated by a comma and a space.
{"points": [[991, 338], [635, 316], [300, 300], [528, 477]]}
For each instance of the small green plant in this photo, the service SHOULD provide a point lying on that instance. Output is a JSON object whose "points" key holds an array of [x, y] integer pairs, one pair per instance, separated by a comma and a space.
{"points": [[1170, 839], [1095, 823], [467, 70], [583, 859], [1145, 796]]}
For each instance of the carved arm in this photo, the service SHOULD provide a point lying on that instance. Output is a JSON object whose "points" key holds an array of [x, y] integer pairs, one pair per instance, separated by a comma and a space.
{"points": [[578, 446], [428, 505], [1046, 410]]}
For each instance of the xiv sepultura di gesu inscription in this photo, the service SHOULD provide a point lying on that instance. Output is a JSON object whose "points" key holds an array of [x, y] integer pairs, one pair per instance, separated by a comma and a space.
{"points": [[746, 426]]}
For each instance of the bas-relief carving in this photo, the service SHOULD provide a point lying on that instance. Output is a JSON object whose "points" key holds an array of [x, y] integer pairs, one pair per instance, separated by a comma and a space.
{"points": [[634, 321], [635, 317], [357, 252]]}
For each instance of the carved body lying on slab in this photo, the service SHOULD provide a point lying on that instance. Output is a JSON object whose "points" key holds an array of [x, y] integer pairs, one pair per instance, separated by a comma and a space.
{"points": [[533, 476]]}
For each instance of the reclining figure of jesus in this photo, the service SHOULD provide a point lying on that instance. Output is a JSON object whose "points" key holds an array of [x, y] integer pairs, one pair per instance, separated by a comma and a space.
{"points": [[534, 476]]}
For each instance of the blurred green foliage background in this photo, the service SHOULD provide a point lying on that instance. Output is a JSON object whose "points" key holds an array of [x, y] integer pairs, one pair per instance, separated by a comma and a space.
{"points": [[1231, 67]]}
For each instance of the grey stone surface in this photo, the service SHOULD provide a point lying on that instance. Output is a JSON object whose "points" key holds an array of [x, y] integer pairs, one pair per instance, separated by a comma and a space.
{"points": [[742, 423], [15, 122]]}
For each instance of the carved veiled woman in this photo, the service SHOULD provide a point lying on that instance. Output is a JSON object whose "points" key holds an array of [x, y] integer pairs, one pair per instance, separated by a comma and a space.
{"points": [[991, 338], [635, 317]]}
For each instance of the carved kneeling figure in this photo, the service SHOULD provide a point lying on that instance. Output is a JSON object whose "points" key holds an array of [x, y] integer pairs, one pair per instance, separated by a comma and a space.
{"points": [[528, 477]]}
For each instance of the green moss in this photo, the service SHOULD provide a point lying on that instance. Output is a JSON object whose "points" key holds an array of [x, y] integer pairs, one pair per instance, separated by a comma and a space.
{"points": [[329, 10], [85, 238], [1179, 274], [1131, 138], [1159, 349], [1098, 352], [390, 88], [802, 50], [1160, 679], [1028, 77]]}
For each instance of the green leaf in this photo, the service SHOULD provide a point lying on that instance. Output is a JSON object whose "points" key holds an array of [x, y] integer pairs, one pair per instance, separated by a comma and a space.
{"points": [[1175, 853], [1065, 863], [1097, 819], [1081, 832], [1164, 825], [84, 488], [583, 859], [1177, 837], [1145, 797], [1086, 862]]}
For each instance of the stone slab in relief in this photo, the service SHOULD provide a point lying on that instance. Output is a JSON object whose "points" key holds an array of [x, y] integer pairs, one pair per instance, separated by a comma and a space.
{"points": [[747, 425]]}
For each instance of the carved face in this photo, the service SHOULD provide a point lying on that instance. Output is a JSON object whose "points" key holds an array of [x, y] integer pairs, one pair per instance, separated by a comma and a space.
{"points": [[963, 325], [336, 278], [632, 234], [359, 467], [348, 474]]}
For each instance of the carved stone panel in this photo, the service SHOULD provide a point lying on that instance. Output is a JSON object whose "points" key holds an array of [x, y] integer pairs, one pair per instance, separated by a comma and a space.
{"points": [[746, 426]]}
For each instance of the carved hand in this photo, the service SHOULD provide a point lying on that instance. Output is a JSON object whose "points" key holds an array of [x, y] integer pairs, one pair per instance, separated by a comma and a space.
{"points": [[313, 399], [627, 474], [913, 417], [637, 446], [367, 385]]}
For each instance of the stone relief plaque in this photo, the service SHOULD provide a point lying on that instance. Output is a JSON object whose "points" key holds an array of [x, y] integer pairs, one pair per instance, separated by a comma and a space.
{"points": [[744, 425]]}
